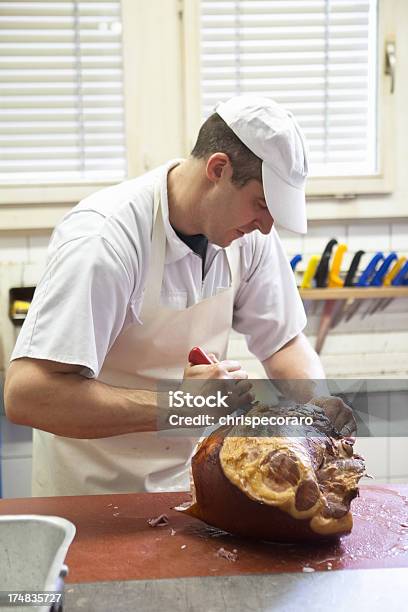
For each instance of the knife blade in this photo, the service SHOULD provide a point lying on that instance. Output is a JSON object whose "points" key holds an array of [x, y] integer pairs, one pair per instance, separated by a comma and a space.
{"points": [[382, 304], [364, 281], [348, 282], [330, 310], [378, 279]]}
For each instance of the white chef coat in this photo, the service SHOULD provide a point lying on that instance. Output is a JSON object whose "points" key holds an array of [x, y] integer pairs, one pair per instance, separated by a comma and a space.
{"points": [[98, 258]]}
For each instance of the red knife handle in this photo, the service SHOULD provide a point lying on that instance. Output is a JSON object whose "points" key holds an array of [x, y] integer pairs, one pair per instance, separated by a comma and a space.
{"points": [[198, 357]]}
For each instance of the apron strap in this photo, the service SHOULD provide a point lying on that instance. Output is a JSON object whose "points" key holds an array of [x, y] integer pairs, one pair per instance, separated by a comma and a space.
{"points": [[158, 253], [233, 253]]}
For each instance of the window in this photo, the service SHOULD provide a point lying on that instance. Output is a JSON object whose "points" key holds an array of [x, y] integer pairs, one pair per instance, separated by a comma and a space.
{"points": [[62, 118], [323, 60], [92, 92]]}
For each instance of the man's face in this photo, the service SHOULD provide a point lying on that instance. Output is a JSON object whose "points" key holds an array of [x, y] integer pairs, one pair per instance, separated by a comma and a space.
{"points": [[234, 211]]}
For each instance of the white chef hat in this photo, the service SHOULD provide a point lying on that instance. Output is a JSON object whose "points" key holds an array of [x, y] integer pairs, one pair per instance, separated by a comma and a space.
{"points": [[271, 132]]}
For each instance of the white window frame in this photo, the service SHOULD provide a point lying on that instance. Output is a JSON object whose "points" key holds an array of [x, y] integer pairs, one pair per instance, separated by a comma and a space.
{"points": [[339, 186], [154, 125]]}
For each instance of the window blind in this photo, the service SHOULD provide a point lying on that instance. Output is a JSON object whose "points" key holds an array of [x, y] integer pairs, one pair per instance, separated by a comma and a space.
{"points": [[61, 100], [316, 57]]}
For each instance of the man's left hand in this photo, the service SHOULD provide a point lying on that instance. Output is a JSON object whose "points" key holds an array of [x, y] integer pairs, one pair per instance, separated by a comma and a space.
{"points": [[339, 413]]}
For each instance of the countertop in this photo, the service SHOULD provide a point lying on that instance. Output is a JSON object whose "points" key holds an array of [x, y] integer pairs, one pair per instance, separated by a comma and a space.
{"points": [[116, 551]]}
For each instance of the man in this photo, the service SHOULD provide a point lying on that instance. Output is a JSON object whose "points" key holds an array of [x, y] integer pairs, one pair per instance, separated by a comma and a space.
{"points": [[141, 272]]}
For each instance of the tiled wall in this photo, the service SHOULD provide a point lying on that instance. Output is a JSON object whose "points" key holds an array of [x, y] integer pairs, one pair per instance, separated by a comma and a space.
{"points": [[375, 345], [386, 453], [369, 236], [371, 347], [365, 346], [24, 248]]}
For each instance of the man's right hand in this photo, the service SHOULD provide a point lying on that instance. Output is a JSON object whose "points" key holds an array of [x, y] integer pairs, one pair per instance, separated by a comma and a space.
{"points": [[218, 376], [217, 370]]}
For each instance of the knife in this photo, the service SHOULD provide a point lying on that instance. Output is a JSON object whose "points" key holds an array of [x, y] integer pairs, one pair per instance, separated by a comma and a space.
{"points": [[348, 282], [364, 281], [322, 270], [352, 271], [330, 310], [306, 282], [294, 261], [310, 272], [379, 277], [400, 278], [199, 357], [382, 304]]}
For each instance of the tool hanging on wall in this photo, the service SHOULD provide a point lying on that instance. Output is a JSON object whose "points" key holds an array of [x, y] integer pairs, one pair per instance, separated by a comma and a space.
{"points": [[364, 281], [310, 272], [382, 304], [331, 307], [334, 279], [306, 282], [348, 282], [400, 279], [352, 271], [322, 270], [379, 278], [294, 261]]}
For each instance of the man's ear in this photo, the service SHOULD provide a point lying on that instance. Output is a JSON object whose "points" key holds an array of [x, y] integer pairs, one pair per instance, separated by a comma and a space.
{"points": [[218, 166]]}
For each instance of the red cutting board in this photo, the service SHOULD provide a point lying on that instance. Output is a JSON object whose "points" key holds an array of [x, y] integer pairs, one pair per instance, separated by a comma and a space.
{"points": [[115, 542]]}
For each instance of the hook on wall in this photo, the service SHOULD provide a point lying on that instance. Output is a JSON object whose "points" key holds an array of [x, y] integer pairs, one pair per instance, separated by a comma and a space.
{"points": [[390, 62]]}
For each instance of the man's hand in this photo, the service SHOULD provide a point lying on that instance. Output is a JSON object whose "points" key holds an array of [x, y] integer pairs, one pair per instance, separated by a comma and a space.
{"points": [[295, 369], [339, 413], [216, 371], [219, 376]]}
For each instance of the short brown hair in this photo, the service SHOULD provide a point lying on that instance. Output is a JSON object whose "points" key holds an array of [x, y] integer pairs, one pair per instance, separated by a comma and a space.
{"points": [[216, 136]]}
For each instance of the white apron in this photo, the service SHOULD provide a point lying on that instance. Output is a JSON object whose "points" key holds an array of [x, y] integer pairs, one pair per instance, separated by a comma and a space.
{"points": [[141, 355]]}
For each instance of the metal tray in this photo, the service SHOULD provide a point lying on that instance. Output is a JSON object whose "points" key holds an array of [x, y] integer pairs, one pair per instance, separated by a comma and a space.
{"points": [[32, 553]]}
